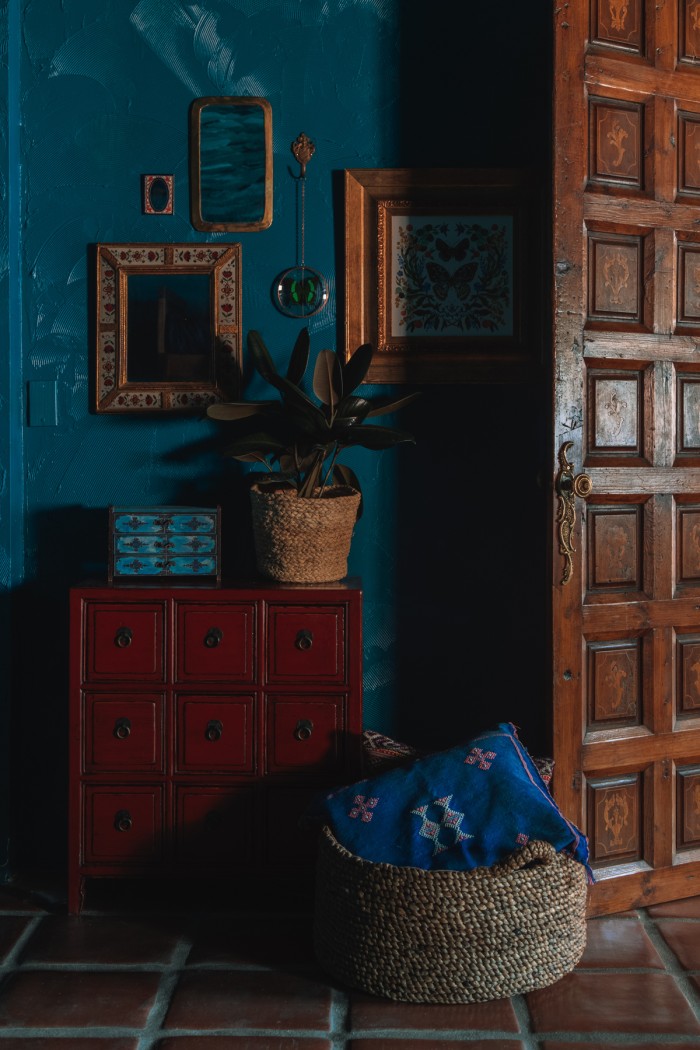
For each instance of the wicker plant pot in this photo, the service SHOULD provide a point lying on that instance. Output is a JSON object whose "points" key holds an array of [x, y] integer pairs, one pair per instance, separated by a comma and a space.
{"points": [[449, 936], [303, 540]]}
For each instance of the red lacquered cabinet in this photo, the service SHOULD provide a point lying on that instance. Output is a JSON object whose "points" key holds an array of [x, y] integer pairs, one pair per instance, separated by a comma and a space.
{"points": [[201, 723]]}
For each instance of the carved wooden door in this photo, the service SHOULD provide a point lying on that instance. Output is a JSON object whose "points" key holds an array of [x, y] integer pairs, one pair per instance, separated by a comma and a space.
{"points": [[626, 624]]}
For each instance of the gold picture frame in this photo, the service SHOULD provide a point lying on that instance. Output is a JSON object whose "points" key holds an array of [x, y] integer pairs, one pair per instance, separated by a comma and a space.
{"points": [[439, 271], [168, 327], [230, 163]]}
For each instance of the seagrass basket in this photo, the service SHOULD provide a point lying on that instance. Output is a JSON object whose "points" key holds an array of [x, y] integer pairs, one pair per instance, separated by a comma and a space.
{"points": [[449, 936], [303, 540]]}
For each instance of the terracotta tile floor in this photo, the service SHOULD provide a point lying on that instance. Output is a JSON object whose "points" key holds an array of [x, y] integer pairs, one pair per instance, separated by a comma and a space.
{"points": [[134, 974]]}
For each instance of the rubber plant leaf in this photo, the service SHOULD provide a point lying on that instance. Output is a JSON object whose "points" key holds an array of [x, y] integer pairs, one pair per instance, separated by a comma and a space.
{"points": [[238, 409], [328, 379], [372, 437], [355, 369], [261, 356], [257, 445], [383, 406], [353, 409], [299, 358]]}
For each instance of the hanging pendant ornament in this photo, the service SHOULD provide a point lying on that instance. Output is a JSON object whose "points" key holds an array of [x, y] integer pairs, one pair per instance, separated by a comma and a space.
{"points": [[301, 291]]}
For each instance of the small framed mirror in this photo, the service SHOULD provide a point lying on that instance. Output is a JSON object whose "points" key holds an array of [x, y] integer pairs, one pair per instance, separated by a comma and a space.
{"points": [[168, 326], [231, 163]]}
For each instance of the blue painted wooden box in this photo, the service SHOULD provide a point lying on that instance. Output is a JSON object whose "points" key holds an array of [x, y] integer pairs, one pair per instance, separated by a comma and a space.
{"points": [[145, 542]]}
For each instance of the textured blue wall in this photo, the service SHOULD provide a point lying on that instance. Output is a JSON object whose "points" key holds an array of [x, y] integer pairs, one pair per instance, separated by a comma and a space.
{"points": [[104, 91]]}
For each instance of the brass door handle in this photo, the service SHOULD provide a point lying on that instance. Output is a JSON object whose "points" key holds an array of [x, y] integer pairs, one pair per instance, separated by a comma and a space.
{"points": [[567, 487]]}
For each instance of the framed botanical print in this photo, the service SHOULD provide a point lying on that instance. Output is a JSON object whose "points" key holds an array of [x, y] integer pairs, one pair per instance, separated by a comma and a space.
{"points": [[437, 268]]}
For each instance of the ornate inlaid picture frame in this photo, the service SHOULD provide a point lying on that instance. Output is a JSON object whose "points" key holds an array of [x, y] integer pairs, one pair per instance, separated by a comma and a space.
{"points": [[440, 266], [168, 327]]}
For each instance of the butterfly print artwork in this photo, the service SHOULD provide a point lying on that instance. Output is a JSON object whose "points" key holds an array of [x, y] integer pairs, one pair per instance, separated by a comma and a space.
{"points": [[448, 251], [452, 277], [460, 280]]}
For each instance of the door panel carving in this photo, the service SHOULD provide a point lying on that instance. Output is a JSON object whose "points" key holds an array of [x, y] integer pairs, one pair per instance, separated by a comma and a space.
{"points": [[688, 137], [616, 401], [616, 143], [689, 20], [688, 414], [688, 542], [618, 23], [688, 675], [614, 683], [615, 546], [688, 794], [615, 820], [615, 278]]}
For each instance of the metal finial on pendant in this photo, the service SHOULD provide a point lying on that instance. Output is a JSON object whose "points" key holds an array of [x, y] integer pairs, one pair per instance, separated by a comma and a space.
{"points": [[303, 149]]}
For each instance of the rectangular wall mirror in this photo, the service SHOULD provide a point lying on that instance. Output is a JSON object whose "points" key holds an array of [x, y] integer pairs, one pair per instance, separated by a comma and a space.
{"points": [[168, 326], [231, 163]]}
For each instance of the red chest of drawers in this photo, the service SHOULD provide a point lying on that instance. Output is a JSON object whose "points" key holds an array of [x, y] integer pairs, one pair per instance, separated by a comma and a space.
{"points": [[202, 721]]}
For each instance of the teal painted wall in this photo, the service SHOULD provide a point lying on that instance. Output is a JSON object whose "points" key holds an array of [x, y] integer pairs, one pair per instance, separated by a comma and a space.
{"points": [[454, 592]]}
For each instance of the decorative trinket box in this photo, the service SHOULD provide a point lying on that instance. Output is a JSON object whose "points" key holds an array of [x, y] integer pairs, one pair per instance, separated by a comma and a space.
{"points": [[164, 541]]}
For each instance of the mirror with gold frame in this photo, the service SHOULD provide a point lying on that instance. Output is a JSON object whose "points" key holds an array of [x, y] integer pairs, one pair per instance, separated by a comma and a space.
{"points": [[168, 326], [230, 163]]}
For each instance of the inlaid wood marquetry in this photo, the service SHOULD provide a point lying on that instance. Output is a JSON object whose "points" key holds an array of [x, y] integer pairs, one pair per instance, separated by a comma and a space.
{"points": [[688, 138], [618, 23], [687, 413], [616, 402], [615, 278], [614, 683], [689, 23], [688, 817], [626, 396], [688, 268], [687, 675], [615, 546], [616, 142], [688, 543], [615, 819]]}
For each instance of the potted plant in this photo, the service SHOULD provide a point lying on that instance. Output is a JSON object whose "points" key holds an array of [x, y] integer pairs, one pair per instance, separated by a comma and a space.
{"points": [[304, 510]]}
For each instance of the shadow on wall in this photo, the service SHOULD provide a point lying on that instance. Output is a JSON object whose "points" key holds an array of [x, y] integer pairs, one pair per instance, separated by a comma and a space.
{"points": [[472, 588]]}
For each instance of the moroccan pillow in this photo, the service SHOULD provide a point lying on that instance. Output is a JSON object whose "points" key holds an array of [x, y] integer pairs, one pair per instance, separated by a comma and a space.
{"points": [[460, 809]]}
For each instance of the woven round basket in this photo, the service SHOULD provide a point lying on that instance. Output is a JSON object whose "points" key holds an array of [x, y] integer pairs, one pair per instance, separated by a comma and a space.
{"points": [[303, 540], [449, 936]]}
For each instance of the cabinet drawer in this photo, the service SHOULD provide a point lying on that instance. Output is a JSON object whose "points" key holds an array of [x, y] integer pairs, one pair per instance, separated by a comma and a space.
{"points": [[124, 642], [215, 734], [123, 733], [214, 824], [215, 642], [124, 825], [304, 734], [306, 642]]}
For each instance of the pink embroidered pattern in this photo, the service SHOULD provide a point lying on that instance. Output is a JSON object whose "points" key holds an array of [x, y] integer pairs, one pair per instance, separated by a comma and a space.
{"points": [[363, 808], [522, 839], [483, 758], [450, 819]]}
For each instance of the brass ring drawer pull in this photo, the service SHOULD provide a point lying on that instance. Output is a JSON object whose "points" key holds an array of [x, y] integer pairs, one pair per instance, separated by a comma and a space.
{"points": [[304, 640], [123, 638], [123, 821], [303, 729], [213, 637], [214, 730], [122, 728]]}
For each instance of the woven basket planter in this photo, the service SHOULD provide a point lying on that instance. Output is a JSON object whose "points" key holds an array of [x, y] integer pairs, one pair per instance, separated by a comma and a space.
{"points": [[303, 540], [449, 936]]}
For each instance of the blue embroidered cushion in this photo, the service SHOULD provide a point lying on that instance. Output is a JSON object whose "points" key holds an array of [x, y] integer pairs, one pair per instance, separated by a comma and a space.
{"points": [[464, 808]]}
